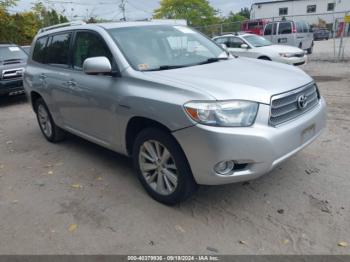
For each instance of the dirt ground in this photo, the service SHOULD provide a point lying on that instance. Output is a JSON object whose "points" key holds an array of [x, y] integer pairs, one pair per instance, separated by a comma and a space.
{"points": [[78, 198]]}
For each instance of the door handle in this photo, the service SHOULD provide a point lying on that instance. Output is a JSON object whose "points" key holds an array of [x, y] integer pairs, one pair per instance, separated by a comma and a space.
{"points": [[71, 83], [42, 77]]}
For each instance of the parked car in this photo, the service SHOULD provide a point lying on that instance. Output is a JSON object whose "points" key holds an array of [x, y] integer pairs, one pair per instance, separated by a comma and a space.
{"points": [[187, 118], [12, 63], [291, 33], [254, 46], [26, 49], [254, 26], [321, 34]]}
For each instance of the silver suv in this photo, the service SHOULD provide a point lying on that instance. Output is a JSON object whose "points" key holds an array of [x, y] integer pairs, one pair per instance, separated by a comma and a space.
{"points": [[185, 111]]}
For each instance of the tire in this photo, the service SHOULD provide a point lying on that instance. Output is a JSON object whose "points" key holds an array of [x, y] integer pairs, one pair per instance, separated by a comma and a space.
{"points": [[168, 182], [310, 50], [264, 58], [47, 126]]}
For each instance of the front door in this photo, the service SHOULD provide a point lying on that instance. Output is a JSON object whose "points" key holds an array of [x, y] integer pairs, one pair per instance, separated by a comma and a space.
{"points": [[95, 96]]}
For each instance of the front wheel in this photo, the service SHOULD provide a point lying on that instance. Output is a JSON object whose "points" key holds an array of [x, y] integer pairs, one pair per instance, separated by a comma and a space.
{"points": [[162, 167]]}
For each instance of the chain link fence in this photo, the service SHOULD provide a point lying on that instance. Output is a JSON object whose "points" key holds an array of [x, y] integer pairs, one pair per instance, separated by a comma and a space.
{"points": [[336, 48]]}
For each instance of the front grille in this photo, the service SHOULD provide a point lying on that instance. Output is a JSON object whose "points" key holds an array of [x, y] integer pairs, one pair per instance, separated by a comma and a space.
{"points": [[287, 106], [12, 74]]}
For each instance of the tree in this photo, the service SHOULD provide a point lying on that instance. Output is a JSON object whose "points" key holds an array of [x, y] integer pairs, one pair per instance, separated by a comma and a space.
{"points": [[21, 27], [196, 12], [4, 4], [245, 12]]}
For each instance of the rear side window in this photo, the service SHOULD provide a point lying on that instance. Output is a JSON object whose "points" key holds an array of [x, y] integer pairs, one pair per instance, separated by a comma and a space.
{"points": [[268, 29], [39, 50], [253, 25], [235, 42], [89, 45], [285, 28], [58, 50], [221, 40]]}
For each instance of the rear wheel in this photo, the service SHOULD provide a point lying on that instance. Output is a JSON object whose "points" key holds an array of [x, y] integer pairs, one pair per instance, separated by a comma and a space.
{"points": [[47, 126], [162, 167], [310, 50]]}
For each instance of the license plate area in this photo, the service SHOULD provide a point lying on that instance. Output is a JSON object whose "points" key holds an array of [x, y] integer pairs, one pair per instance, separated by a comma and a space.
{"points": [[308, 133]]}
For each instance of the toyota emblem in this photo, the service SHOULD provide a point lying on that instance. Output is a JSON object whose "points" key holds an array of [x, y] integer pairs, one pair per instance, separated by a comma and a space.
{"points": [[302, 102]]}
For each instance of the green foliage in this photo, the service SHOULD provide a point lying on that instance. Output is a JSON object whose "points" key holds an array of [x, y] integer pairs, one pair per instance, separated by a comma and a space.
{"points": [[196, 12], [20, 28], [4, 4], [245, 12]]}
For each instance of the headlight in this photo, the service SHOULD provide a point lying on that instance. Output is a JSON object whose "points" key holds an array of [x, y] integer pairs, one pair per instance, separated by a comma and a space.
{"points": [[235, 113], [286, 55]]}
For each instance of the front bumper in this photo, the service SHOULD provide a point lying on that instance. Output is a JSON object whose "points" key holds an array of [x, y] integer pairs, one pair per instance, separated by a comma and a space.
{"points": [[261, 147], [294, 60], [11, 87]]}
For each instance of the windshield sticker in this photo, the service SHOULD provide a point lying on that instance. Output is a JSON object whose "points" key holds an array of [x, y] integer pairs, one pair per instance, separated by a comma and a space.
{"points": [[14, 48], [184, 29], [143, 67]]}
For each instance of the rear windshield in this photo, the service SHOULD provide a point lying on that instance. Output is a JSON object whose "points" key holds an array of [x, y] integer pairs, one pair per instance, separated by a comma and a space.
{"points": [[12, 53]]}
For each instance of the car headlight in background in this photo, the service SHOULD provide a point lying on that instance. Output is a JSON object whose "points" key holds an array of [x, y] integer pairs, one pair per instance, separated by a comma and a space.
{"points": [[233, 113], [287, 55]]}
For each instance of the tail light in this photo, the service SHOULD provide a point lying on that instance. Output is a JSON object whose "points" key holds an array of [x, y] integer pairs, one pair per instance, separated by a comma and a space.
{"points": [[294, 28]]}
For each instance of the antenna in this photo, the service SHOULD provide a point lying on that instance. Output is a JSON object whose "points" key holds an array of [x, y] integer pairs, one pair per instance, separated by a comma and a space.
{"points": [[122, 8]]}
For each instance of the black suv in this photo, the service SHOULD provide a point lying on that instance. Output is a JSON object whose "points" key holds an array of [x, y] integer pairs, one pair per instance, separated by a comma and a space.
{"points": [[12, 63]]}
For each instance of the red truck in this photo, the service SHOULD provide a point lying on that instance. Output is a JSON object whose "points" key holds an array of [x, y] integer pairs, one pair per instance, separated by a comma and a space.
{"points": [[254, 26]]}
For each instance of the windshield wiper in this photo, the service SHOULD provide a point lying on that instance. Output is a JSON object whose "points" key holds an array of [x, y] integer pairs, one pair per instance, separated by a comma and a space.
{"points": [[212, 60], [166, 67]]}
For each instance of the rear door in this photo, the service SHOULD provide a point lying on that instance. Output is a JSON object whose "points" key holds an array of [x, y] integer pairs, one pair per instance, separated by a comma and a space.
{"points": [[268, 32], [285, 34], [56, 74]]}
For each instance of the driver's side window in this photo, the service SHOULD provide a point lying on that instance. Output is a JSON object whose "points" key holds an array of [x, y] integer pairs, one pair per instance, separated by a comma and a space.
{"points": [[235, 42], [89, 45]]}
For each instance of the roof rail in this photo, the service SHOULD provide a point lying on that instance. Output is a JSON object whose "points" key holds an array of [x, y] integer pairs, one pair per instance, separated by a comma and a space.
{"points": [[61, 25]]}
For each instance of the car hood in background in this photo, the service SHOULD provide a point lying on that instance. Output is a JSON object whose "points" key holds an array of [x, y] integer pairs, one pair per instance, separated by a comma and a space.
{"points": [[280, 49], [239, 78]]}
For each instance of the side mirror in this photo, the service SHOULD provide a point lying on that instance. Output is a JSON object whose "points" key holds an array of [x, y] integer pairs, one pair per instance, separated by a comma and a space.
{"points": [[224, 46], [244, 46], [97, 65]]}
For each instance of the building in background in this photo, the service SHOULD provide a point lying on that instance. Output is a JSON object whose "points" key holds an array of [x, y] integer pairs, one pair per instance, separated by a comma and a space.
{"points": [[311, 11]]}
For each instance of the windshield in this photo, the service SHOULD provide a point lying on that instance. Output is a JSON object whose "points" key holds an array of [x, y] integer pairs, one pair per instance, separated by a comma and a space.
{"points": [[12, 52], [160, 47], [257, 41]]}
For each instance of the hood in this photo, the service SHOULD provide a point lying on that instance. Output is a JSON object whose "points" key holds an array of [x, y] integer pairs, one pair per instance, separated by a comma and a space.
{"points": [[238, 78], [281, 49]]}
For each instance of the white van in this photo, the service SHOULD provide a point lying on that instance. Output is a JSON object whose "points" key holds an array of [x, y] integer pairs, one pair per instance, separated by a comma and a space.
{"points": [[291, 33]]}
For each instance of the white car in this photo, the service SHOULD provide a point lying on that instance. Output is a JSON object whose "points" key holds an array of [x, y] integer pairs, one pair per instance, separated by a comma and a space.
{"points": [[254, 46]]}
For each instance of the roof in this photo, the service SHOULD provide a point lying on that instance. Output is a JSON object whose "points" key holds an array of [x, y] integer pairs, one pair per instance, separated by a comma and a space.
{"points": [[276, 1], [141, 23], [233, 34]]}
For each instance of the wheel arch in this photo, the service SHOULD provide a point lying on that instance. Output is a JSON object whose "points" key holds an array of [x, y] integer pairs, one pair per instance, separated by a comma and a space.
{"points": [[34, 96], [264, 57], [135, 126]]}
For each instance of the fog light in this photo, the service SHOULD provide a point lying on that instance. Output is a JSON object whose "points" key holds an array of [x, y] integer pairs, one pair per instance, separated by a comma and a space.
{"points": [[224, 167]]}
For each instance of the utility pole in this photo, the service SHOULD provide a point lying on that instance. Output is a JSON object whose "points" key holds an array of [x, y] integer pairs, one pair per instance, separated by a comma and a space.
{"points": [[122, 8]]}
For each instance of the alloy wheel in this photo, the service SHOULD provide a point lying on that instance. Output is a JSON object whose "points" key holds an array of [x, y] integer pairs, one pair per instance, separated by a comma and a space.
{"points": [[158, 167]]}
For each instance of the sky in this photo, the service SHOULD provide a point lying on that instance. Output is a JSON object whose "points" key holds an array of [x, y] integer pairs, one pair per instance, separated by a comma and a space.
{"points": [[109, 9]]}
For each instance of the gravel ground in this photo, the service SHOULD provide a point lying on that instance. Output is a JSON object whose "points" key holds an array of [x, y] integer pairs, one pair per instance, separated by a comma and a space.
{"points": [[78, 198], [324, 50]]}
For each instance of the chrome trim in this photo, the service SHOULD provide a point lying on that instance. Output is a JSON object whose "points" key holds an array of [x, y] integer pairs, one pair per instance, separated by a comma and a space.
{"points": [[287, 94]]}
